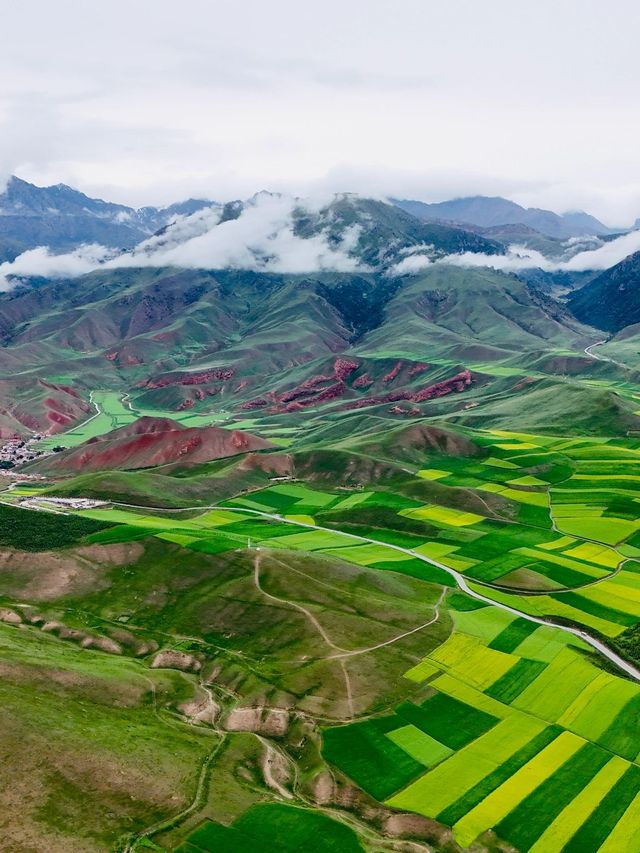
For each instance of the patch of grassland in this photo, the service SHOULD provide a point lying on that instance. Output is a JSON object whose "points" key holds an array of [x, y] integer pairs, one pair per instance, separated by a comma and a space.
{"points": [[87, 755]]}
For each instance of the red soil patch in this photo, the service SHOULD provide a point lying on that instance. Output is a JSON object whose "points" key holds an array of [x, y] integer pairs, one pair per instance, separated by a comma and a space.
{"points": [[202, 378], [154, 441], [363, 381], [308, 393], [391, 375], [457, 383]]}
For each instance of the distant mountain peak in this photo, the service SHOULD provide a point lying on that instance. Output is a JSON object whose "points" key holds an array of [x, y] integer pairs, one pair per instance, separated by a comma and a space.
{"points": [[489, 211], [62, 218]]}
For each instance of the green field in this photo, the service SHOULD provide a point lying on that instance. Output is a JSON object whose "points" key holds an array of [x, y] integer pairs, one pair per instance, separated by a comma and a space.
{"points": [[521, 773], [273, 827], [113, 410]]}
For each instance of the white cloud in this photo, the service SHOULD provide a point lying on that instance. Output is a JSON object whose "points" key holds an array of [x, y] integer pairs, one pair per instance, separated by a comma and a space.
{"points": [[262, 238], [518, 257], [607, 255], [411, 264], [41, 262]]}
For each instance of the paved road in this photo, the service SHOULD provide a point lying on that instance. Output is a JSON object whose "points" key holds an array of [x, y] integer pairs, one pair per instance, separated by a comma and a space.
{"points": [[596, 644]]}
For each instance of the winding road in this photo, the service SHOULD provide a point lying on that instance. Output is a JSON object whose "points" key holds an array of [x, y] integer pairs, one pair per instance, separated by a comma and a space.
{"points": [[614, 658], [589, 351]]}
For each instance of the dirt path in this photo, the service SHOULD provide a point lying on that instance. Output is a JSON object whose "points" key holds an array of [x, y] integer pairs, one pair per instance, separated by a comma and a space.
{"points": [[316, 624], [395, 639], [257, 560]]}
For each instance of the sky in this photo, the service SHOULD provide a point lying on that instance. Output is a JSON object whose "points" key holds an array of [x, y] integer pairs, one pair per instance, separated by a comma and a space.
{"points": [[149, 101]]}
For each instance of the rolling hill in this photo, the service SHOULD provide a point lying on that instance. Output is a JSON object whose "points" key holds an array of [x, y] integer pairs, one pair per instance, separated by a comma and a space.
{"points": [[148, 443]]}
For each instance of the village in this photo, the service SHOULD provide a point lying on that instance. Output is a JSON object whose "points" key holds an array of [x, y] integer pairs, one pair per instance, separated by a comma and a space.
{"points": [[16, 451]]}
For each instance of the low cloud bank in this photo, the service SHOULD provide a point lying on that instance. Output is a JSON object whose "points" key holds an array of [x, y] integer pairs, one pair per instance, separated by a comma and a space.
{"points": [[262, 238], [41, 262], [520, 258]]}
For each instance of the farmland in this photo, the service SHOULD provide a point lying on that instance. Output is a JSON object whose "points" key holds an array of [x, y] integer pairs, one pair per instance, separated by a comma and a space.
{"points": [[272, 827], [520, 745], [431, 701]]}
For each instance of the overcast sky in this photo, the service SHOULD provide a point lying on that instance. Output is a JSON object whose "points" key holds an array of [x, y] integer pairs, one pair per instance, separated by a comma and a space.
{"points": [[149, 101]]}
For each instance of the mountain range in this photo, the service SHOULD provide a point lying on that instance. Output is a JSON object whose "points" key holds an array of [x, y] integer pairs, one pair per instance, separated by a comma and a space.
{"points": [[490, 212], [276, 305], [611, 300], [62, 218]]}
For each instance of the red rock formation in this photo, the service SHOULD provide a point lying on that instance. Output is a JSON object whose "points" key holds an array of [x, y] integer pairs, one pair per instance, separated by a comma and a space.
{"points": [[202, 378], [363, 381], [395, 370], [457, 383], [343, 368], [258, 403], [305, 389]]}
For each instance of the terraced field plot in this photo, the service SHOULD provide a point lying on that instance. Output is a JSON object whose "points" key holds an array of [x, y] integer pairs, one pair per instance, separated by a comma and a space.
{"points": [[519, 754]]}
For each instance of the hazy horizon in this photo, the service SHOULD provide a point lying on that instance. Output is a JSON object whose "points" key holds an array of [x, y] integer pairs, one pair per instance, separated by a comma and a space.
{"points": [[141, 105]]}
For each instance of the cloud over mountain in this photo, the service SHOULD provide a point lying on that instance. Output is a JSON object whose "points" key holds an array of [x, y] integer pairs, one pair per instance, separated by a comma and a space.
{"points": [[520, 258], [344, 233], [259, 235], [261, 238]]}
